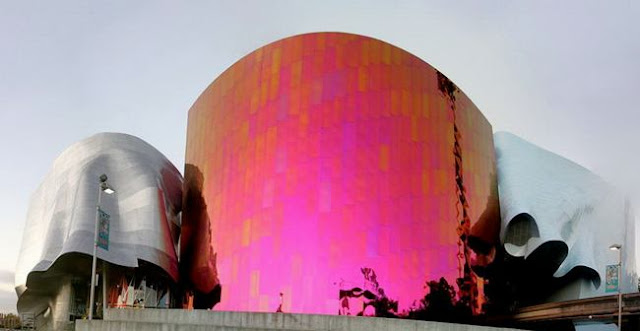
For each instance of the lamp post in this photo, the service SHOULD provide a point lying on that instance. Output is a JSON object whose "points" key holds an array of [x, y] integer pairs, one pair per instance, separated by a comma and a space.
{"points": [[618, 247], [103, 187]]}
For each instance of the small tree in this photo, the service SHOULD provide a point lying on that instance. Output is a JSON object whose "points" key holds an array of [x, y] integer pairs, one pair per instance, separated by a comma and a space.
{"points": [[440, 304]]}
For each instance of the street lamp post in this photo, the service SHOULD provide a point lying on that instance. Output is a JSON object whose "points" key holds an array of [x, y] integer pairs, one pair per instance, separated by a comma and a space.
{"points": [[103, 187], [618, 247]]}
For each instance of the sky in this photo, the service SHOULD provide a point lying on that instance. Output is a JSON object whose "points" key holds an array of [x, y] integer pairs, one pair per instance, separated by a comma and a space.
{"points": [[563, 75]]}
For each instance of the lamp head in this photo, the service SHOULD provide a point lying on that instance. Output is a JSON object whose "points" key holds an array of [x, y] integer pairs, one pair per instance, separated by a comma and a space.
{"points": [[615, 247], [104, 186]]}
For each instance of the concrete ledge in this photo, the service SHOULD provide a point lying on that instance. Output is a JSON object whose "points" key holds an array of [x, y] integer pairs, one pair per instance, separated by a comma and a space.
{"points": [[98, 325], [183, 320]]}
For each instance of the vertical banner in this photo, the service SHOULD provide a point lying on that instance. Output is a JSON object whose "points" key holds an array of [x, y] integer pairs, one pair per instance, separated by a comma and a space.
{"points": [[612, 278], [103, 230]]}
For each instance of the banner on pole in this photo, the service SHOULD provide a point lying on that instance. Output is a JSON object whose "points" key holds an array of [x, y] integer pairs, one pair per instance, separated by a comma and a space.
{"points": [[612, 278], [103, 230]]}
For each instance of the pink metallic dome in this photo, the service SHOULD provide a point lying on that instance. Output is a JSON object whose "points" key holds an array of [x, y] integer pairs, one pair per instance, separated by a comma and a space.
{"points": [[326, 171]]}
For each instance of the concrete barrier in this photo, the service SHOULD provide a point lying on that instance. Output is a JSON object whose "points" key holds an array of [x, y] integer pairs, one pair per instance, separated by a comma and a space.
{"points": [[196, 320], [101, 325]]}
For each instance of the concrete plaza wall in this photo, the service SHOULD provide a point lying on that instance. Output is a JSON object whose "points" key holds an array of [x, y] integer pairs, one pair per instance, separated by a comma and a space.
{"points": [[196, 320]]}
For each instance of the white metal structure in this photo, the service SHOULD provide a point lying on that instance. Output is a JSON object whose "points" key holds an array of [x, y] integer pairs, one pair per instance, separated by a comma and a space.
{"points": [[59, 233], [555, 210]]}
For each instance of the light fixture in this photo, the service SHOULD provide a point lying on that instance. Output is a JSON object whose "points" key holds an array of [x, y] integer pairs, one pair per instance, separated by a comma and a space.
{"points": [[107, 189], [615, 247], [104, 186]]}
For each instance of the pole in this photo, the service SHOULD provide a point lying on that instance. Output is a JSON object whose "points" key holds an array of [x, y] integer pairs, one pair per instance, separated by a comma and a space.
{"points": [[104, 288], [620, 289], [93, 263]]}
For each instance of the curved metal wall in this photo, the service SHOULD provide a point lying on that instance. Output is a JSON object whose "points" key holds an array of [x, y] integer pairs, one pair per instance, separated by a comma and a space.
{"points": [[62, 212], [562, 218], [327, 162]]}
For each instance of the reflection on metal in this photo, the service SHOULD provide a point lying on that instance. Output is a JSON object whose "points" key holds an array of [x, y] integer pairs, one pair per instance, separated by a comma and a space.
{"points": [[468, 289], [58, 235], [561, 217], [322, 154], [129, 292]]}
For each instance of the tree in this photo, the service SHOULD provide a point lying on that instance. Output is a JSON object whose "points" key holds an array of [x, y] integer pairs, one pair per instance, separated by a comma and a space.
{"points": [[440, 304]]}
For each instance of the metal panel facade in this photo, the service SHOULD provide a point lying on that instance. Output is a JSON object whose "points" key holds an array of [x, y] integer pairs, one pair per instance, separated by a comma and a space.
{"points": [[562, 217], [144, 222], [328, 163]]}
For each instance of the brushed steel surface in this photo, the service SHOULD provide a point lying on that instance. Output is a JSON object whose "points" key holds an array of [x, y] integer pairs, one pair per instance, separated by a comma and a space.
{"points": [[559, 209], [144, 211]]}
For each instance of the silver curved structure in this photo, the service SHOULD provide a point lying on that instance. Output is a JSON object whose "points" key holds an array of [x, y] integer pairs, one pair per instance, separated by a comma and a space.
{"points": [[561, 216], [59, 231]]}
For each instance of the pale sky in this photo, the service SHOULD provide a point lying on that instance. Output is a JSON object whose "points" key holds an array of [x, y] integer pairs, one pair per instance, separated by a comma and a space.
{"points": [[561, 74]]}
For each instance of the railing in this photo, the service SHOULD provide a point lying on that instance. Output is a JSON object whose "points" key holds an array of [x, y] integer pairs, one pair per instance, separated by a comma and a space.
{"points": [[585, 309]]}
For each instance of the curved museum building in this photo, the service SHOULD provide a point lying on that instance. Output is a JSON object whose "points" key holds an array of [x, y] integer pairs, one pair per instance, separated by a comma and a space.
{"points": [[326, 171], [559, 219], [55, 258]]}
